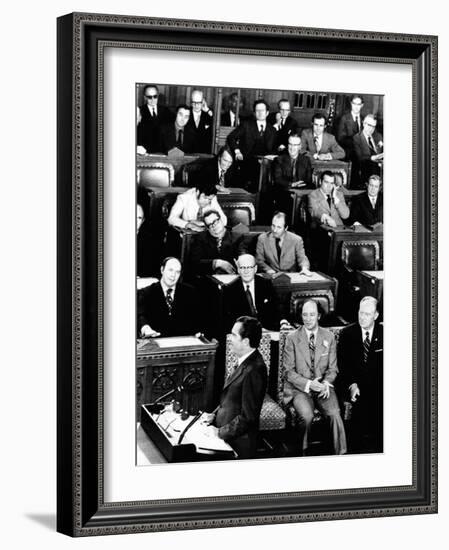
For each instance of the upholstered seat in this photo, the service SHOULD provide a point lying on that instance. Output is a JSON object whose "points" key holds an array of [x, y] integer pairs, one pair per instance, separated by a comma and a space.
{"points": [[272, 414], [361, 255], [158, 174]]}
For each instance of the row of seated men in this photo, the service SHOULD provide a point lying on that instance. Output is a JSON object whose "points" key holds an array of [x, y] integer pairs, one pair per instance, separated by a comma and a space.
{"points": [[317, 374], [215, 246], [190, 130]]}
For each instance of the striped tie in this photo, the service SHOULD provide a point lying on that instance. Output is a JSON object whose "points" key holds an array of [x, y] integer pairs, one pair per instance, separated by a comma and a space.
{"points": [[366, 346], [312, 350]]}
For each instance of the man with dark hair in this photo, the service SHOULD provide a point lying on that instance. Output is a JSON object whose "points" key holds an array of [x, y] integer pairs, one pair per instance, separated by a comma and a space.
{"points": [[291, 170], [310, 362], [327, 203], [168, 308], [214, 250], [284, 124], [360, 357], [190, 207], [279, 250], [233, 116], [368, 148], [237, 416], [251, 295], [200, 123], [150, 117], [349, 125], [250, 139], [218, 171], [367, 208], [318, 144], [178, 135]]}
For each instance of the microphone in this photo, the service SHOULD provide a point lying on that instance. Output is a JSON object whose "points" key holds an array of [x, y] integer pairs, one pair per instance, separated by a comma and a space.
{"points": [[170, 392]]}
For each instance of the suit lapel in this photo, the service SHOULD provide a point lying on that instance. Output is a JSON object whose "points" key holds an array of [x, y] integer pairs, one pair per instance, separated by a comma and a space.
{"points": [[304, 346], [274, 252], [237, 372]]}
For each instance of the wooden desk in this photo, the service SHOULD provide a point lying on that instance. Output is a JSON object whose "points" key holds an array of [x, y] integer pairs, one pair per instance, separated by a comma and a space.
{"points": [[145, 161], [338, 235], [164, 364]]}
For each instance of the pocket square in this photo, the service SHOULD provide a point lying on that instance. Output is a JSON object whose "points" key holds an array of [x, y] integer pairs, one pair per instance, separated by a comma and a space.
{"points": [[265, 301]]}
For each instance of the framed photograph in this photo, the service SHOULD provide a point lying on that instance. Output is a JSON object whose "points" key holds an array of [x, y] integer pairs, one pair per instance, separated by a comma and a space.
{"points": [[189, 123]]}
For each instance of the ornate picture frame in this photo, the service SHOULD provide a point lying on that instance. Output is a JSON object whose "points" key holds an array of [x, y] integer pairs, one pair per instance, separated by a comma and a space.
{"points": [[82, 509]]}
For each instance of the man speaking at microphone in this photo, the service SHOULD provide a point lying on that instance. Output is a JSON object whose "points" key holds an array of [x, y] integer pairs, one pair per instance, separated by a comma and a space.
{"points": [[236, 419]]}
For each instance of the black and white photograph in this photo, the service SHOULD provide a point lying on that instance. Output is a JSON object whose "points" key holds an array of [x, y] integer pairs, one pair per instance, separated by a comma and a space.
{"points": [[259, 273]]}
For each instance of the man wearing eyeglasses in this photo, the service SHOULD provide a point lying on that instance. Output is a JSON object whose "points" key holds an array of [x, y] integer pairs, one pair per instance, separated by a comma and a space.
{"points": [[251, 295], [284, 124], [151, 117], [214, 250], [369, 148], [200, 123]]}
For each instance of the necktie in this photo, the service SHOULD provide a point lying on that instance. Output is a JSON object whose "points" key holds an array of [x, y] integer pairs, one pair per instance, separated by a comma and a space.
{"points": [[278, 248], [219, 243], [169, 300], [180, 138], [281, 124], [312, 350], [372, 145], [357, 121], [294, 170], [317, 144], [221, 178], [366, 346], [329, 201], [250, 301], [261, 130], [200, 214]]}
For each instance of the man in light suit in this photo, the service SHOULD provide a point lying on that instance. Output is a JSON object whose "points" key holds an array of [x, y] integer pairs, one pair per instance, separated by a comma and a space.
{"points": [[251, 295], [360, 357], [318, 144], [236, 419], [349, 125], [280, 250], [327, 203], [310, 361], [369, 148], [253, 138]]}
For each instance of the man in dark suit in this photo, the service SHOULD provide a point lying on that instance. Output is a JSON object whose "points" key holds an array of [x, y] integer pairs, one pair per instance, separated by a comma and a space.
{"points": [[360, 358], [237, 416], [214, 250], [177, 134], [250, 139], [279, 250], [231, 117], [367, 209], [318, 144], [310, 362], [151, 117], [368, 148], [200, 123], [349, 125], [251, 295], [284, 124], [291, 170], [168, 308], [218, 171]]}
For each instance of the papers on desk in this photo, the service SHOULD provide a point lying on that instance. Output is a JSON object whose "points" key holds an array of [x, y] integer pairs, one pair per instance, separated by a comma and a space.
{"points": [[225, 279], [375, 274], [205, 439], [301, 278], [200, 434], [178, 341]]}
